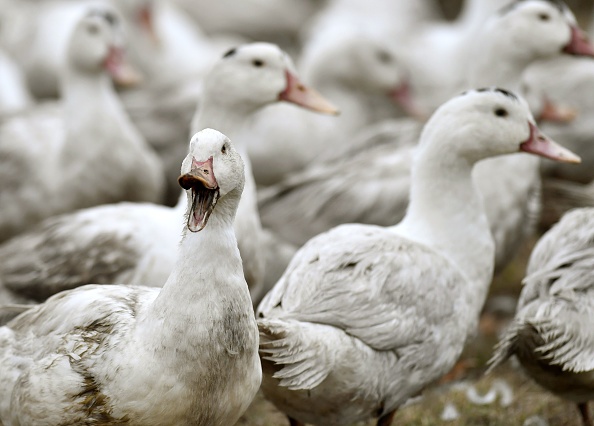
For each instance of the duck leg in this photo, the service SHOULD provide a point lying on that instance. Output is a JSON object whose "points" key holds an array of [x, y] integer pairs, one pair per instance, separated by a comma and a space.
{"points": [[293, 422], [586, 419], [386, 419]]}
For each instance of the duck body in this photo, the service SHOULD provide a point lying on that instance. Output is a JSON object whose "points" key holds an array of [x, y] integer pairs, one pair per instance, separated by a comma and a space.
{"points": [[132, 243], [548, 334], [185, 354], [364, 314], [71, 165]]}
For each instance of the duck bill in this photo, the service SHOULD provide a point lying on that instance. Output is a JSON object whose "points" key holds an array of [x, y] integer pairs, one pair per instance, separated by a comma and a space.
{"points": [[120, 70], [299, 94], [579, 44], [556, 113], [147, 23], [204, 191], [539, 144], [402, 95]]}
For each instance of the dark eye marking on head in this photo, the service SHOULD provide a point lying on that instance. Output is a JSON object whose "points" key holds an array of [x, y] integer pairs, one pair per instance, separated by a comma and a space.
{"points": [[230, 52], [109, 17], [506, 93], [497, 89]]}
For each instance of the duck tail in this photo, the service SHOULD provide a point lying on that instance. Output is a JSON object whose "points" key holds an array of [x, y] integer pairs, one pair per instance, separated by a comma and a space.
{"points": [[298, 349], [507, 346]]}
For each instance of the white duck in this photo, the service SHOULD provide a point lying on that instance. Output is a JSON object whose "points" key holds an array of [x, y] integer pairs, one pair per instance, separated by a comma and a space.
{"points": [[242, 82], [551, 334], [331, 193], [283, 140], [365, 317], [84, 153], [184, 355]]}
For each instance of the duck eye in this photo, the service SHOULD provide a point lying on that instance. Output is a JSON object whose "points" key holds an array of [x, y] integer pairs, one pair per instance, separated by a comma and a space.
{"points": [[384, 57], [544, 16], [258, 63], [224, 149], [501, 112], [92, 29]]}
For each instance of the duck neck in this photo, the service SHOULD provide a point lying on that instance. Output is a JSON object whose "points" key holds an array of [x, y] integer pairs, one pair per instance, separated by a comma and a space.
{"points": [[205, 284], [94, 91], [89, 101], [446, 213]]}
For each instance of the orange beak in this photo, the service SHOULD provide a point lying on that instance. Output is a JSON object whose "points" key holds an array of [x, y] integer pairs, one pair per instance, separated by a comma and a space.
{"points": [[298, 93], [539, 144]]}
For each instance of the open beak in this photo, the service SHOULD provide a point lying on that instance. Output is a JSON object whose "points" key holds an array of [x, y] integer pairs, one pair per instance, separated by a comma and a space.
{"points": [[147, 22], [120, 70], [202, 183], [579, 44], [402, 95], [298, 93], [539, 144], [556, 113]]}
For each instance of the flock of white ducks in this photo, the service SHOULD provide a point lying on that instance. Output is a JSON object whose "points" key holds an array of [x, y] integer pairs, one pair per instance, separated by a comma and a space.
{"points": [[390, 234]]}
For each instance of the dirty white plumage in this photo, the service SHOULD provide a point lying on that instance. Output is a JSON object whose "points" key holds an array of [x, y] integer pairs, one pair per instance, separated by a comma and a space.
{"points": [[182, 355], [550, 334]]}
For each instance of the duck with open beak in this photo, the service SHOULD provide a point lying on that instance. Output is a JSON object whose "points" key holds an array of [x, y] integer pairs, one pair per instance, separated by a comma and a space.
{"points": [[302, 95], [120, 69], [202, 183], [539, 144]]}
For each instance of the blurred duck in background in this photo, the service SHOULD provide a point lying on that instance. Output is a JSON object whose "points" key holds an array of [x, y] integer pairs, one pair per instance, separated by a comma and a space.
{"points": [[83, 151]]}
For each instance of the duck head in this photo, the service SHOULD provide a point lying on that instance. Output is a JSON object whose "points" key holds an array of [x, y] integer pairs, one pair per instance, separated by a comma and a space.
{"points": [[492, 121], [258, 74], [212, 174], [545, 27], [96, 46]]}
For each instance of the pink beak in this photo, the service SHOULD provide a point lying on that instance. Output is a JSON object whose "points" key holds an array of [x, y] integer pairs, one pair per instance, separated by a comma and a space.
{"points": [[556, 113], [298, 93], [120, 70], [403, 97], [147, 22], [579, 44], [200, 171], [539, 144]]}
